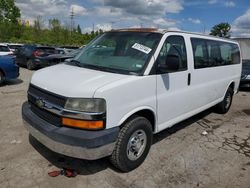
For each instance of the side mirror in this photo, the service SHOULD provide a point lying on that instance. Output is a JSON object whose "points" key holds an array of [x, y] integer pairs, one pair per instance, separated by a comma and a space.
{"points": [[171, 64]]}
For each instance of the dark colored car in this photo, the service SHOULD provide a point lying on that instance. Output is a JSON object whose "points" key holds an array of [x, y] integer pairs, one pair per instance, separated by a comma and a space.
{"points": [[8, 68], [54, 59], [32, 56], [245, 75]]}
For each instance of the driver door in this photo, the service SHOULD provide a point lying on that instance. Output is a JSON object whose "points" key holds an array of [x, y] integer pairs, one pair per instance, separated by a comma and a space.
{"points": [[174, 100]]}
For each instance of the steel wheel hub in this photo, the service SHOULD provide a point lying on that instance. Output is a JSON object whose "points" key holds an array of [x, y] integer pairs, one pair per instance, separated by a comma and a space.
{"points": [[136, 145]]}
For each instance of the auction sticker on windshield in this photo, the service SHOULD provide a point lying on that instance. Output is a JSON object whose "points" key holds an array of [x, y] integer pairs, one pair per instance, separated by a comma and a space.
{"points": [[142, 48]]}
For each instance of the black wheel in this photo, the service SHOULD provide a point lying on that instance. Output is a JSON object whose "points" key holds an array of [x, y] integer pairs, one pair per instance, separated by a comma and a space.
{"points": [[225, 105], [1, 78], [30, 65], [133, 144]]}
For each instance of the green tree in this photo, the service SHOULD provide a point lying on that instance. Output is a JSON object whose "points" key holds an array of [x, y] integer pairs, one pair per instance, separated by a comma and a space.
{"points": [[79, 29], [221, 30], [9, 12]]}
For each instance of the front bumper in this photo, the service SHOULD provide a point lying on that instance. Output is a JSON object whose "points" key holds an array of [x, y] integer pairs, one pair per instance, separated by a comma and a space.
{"points": [[90, 145]]}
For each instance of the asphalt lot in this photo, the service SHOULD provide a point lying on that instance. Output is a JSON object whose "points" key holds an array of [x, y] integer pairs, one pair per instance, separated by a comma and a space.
{"points": [[180, 156]]}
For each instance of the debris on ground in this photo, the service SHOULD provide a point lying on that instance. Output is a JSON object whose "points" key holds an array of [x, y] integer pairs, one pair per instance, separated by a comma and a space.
{"points": [[204, 133], [16, 142], [70, 173]]}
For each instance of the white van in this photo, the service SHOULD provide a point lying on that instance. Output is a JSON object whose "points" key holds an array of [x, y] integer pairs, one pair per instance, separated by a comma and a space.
{"points": [[125, 86]]}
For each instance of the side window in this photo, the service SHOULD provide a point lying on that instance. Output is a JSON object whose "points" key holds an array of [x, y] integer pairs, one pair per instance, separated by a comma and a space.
{"points": [[214, 54], [173, 46], [210, 53], [230, 53], [226, 53], [200, 53]]}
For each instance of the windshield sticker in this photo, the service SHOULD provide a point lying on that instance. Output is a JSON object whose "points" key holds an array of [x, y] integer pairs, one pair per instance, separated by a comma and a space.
{"points": [[142, 48]]}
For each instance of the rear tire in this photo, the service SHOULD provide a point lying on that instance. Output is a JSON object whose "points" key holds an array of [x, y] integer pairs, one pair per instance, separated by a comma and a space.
{"points": [[30, 65], [133, 144], [224, 106]]}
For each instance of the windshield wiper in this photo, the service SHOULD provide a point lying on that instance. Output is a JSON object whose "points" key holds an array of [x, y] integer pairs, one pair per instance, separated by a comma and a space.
{"points": [[75, 62]]}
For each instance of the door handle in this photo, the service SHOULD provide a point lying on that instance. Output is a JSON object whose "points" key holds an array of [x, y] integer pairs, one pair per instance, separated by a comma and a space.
{"points": [[189, 79]]}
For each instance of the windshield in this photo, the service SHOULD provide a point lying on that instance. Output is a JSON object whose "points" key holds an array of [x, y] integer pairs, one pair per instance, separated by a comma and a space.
{"points": [[119, 52], [4, 49]]}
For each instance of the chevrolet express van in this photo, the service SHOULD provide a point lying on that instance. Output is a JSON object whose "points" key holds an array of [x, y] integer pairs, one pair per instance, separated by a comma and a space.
{"points": [[125, 86]]}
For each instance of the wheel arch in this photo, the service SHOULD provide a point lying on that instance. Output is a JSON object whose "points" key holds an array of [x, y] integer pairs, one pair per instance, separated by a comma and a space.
{"points": [[230, 85], [147, 112]]}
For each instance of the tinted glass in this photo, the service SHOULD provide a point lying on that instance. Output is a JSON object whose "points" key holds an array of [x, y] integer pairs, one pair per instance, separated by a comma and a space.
{"points": [[200, 53], [210, 53], [174, 45]]}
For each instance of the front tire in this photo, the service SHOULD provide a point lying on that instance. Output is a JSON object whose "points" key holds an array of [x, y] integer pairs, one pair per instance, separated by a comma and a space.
{"points": [[224, 106], [133, 144]]}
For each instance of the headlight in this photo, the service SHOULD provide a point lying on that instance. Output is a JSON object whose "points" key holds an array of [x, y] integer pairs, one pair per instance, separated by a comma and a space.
{"points": [[86, 105]]}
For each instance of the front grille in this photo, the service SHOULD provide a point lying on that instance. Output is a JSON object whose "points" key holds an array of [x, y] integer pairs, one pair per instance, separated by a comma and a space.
{"points": [[45, 115], [48, 96], [35, 93]]}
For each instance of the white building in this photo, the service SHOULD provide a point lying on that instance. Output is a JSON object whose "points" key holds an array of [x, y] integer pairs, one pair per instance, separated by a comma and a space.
{"points": [[245, 47]]}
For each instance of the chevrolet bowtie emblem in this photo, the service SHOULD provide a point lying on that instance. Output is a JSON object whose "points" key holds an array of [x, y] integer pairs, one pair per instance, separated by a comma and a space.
{"points": [[40, 103]]}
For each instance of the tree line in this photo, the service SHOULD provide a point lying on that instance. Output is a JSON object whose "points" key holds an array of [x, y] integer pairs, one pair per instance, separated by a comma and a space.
{"points": [[12, 29]]}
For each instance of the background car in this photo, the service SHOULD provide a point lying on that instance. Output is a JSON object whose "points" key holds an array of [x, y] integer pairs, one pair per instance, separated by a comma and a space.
{"points": [[5, 50], [30, 56], [245, 75], [8, 68], [54, 59], [14, 47]]}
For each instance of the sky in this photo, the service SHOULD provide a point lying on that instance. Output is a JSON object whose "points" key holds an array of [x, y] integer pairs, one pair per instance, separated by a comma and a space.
{"points": [[188, 15]]}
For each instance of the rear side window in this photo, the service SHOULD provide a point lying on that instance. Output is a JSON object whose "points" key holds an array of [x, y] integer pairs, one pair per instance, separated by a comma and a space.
{"points": [[200, 53], [210, 53]]}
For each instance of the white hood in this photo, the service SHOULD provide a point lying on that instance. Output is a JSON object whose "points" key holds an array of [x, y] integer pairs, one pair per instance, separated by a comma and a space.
{"points": [[73, 81]]}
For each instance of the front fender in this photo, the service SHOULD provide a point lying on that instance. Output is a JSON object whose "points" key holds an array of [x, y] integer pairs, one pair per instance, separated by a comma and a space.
{"points": [[134, 111]]}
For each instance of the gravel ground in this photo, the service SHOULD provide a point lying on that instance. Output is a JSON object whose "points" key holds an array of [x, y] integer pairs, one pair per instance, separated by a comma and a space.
{"points": [[180, 156]]}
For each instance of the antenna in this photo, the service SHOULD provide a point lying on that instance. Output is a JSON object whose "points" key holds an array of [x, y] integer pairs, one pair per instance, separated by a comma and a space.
{"points": [[112, 23], [72, 15]]}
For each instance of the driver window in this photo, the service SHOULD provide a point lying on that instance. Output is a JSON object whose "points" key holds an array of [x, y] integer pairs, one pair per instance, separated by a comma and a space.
{"points": [[174, 45]]}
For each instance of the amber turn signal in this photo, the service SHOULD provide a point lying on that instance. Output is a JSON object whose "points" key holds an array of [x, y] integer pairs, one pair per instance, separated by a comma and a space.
{"points": [[82, 124]]}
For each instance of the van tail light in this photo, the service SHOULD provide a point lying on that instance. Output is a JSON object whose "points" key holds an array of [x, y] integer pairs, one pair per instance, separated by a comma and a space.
{"points": [[37, 53]]}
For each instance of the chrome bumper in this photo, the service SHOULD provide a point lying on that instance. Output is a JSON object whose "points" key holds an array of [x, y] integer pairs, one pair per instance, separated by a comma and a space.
{"points": [[69, 150]]}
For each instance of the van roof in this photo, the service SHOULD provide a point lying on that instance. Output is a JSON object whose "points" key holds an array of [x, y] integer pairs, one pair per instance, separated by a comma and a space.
{"points": [[163, 31]]}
